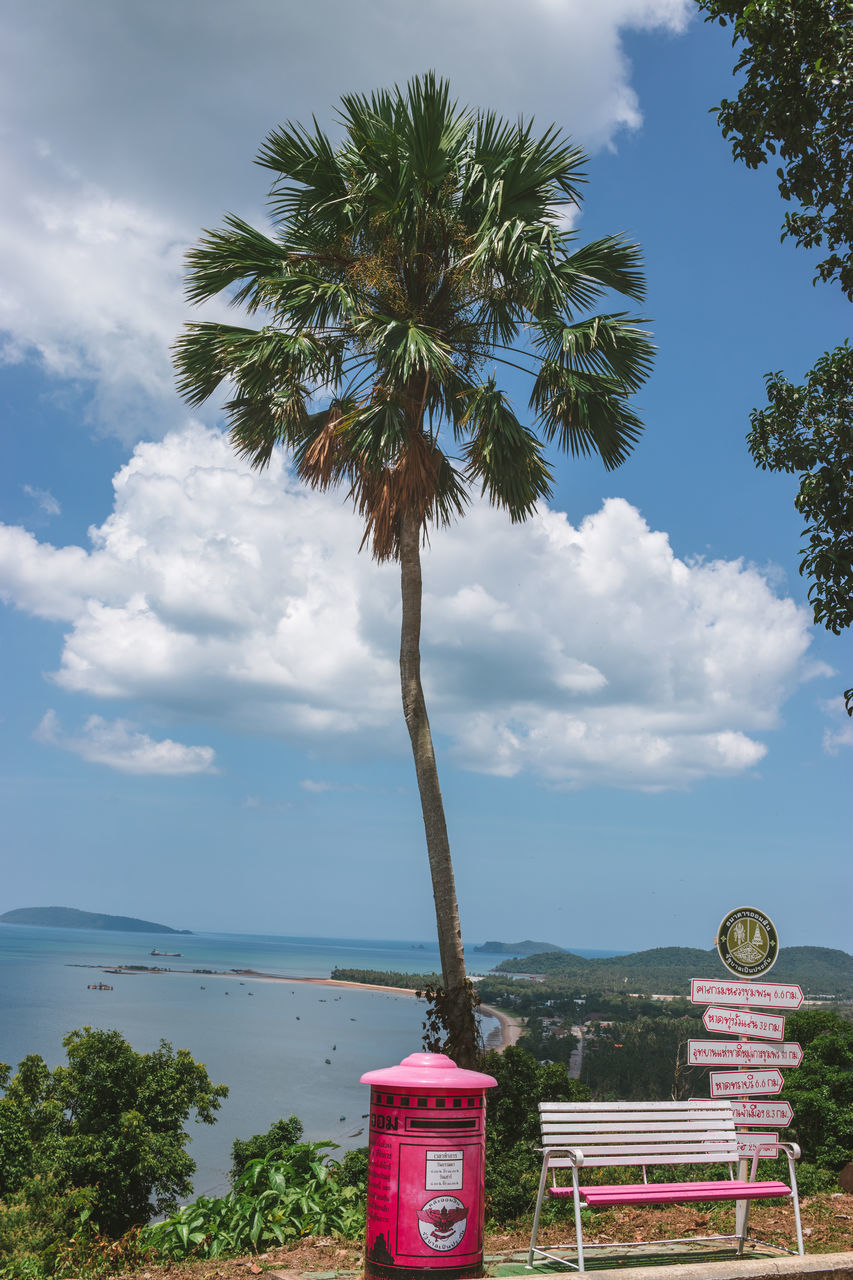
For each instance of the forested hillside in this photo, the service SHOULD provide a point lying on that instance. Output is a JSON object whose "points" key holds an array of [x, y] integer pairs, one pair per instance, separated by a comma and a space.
{"points": [[820, 971]]}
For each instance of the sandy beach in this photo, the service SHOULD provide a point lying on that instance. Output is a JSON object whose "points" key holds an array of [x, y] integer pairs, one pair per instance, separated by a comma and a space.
{"points": [[510, 1027]]}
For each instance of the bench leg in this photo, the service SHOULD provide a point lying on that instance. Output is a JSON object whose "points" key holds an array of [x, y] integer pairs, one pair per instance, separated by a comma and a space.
{"points": [[741, 1224], [538, 1210], [578, 1224], [792, 1174]]}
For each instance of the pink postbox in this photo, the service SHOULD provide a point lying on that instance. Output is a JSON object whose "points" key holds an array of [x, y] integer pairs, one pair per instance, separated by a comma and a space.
{"points": [[426, 1166]]}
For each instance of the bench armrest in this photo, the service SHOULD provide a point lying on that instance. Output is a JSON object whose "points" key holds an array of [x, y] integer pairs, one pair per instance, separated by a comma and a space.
{"points": [[790, 1149], [575, 1154]]}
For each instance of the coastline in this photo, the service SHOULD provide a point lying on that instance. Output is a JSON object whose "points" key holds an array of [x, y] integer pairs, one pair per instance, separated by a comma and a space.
{"points": [[510, 1027]]}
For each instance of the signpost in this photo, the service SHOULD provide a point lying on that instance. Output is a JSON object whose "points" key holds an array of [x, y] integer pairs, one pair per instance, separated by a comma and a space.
{"points": [[768, 995], [748, 946], [742, 1053], [740, 1084], [757, 1113], [770, 1026]]}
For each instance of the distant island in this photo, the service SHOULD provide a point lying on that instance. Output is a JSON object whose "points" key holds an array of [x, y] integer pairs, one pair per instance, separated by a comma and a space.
{"points": [[71, 918], [526, 948]]}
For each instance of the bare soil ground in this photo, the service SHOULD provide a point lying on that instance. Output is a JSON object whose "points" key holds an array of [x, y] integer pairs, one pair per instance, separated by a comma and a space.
{"points": [[827, 1225]]}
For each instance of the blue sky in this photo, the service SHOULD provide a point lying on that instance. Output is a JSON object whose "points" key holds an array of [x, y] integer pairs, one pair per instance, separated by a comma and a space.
{"points": [[638, 727]]}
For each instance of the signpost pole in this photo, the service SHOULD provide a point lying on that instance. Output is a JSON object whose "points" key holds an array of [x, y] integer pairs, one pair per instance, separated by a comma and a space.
{"points": [[742, 1206]]}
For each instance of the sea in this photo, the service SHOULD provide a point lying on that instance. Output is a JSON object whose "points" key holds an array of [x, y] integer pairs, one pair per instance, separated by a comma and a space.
{"points": [[283, 1048]]}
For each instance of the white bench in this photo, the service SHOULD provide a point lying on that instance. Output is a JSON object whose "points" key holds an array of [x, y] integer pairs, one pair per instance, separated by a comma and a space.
{"points": [[584, 1135]]}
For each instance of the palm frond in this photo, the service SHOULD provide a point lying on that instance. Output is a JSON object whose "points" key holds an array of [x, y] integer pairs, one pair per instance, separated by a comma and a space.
{"points": [[586, 413], [502, 455], [612, 262], [224, 258], [311, 162], [609, 344]]}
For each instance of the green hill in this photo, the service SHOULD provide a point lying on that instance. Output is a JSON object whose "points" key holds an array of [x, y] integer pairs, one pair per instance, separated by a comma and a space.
{"points": [[71, 918], [820, 971]]}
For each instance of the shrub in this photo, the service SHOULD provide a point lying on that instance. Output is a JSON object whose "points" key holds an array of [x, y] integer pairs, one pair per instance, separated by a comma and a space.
{"points": [[292, 1192]]}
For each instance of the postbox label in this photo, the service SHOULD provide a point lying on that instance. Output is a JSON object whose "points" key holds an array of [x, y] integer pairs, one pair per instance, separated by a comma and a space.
{"points": [[444, 1170]]}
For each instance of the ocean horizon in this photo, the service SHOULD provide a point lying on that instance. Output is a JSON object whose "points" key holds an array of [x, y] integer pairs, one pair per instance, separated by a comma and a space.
{"points": [[283, 1049]]}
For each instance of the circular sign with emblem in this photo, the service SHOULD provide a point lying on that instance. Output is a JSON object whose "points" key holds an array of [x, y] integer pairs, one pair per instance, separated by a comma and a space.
{"points": [[442, 1222], [747, 942]]}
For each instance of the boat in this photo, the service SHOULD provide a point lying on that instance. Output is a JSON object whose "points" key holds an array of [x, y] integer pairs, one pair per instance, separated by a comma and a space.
{"points": [[176, 955]]}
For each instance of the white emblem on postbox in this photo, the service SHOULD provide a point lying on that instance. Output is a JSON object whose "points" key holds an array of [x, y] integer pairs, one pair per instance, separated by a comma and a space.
{"points": [[442, 1222], [444, 1170]]}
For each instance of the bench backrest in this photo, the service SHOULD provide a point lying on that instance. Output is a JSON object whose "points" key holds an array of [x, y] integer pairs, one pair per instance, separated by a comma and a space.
{"points": [[641, 1133]]}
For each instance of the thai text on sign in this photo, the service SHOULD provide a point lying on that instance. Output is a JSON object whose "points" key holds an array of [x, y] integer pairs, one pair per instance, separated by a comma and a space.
{"points": [[766, 995], [769, 1026], [758, 1113], [749, 1143], [740, 1084], [738, 1053]]}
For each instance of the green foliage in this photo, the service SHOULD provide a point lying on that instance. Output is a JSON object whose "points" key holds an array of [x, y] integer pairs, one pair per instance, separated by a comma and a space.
{"points": [[292, 1192], [387, 978], [282, 1133], [809, 429], [796, 103], [443, 1013], [40, 1224], [111, 1120], [512, 1128], [821, 1089], [644, 1059], [543, 1044]]}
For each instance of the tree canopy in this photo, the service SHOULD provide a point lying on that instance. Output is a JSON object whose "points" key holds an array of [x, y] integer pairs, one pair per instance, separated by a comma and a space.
{"points": [[111, 1119], [809, 429], [796, 100], [409, 263], [796, 104], [821, 1089]]}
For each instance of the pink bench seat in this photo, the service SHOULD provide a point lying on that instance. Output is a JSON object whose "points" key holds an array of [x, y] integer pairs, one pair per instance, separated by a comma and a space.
{"points": [[671, 1192]]}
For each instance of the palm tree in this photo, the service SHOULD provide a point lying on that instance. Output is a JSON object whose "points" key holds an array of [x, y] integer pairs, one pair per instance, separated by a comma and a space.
{"points": [[407, 265]]}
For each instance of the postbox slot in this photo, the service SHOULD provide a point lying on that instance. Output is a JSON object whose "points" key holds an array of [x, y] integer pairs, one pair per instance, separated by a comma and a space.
{"points": [[440, 1126]]}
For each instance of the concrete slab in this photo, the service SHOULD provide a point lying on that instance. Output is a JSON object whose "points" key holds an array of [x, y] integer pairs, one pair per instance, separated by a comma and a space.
{"points": [[816, 1266]]}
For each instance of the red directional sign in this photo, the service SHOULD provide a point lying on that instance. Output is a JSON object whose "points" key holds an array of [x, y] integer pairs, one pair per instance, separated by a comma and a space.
{"points": [[767, 1026], [755, 1113], [753, 995], [741, 1053], [741, 1084], [748, 1144]]}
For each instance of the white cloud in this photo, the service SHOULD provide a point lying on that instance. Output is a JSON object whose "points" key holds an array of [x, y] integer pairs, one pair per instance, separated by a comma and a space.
{"points": [[840, 731], [122, 150], [47, 504], [119, 745], [92, 288], [583, 655]]}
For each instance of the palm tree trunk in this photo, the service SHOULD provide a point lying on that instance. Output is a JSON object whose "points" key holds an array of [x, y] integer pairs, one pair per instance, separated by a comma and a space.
{"points": [[459, 1010]]}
